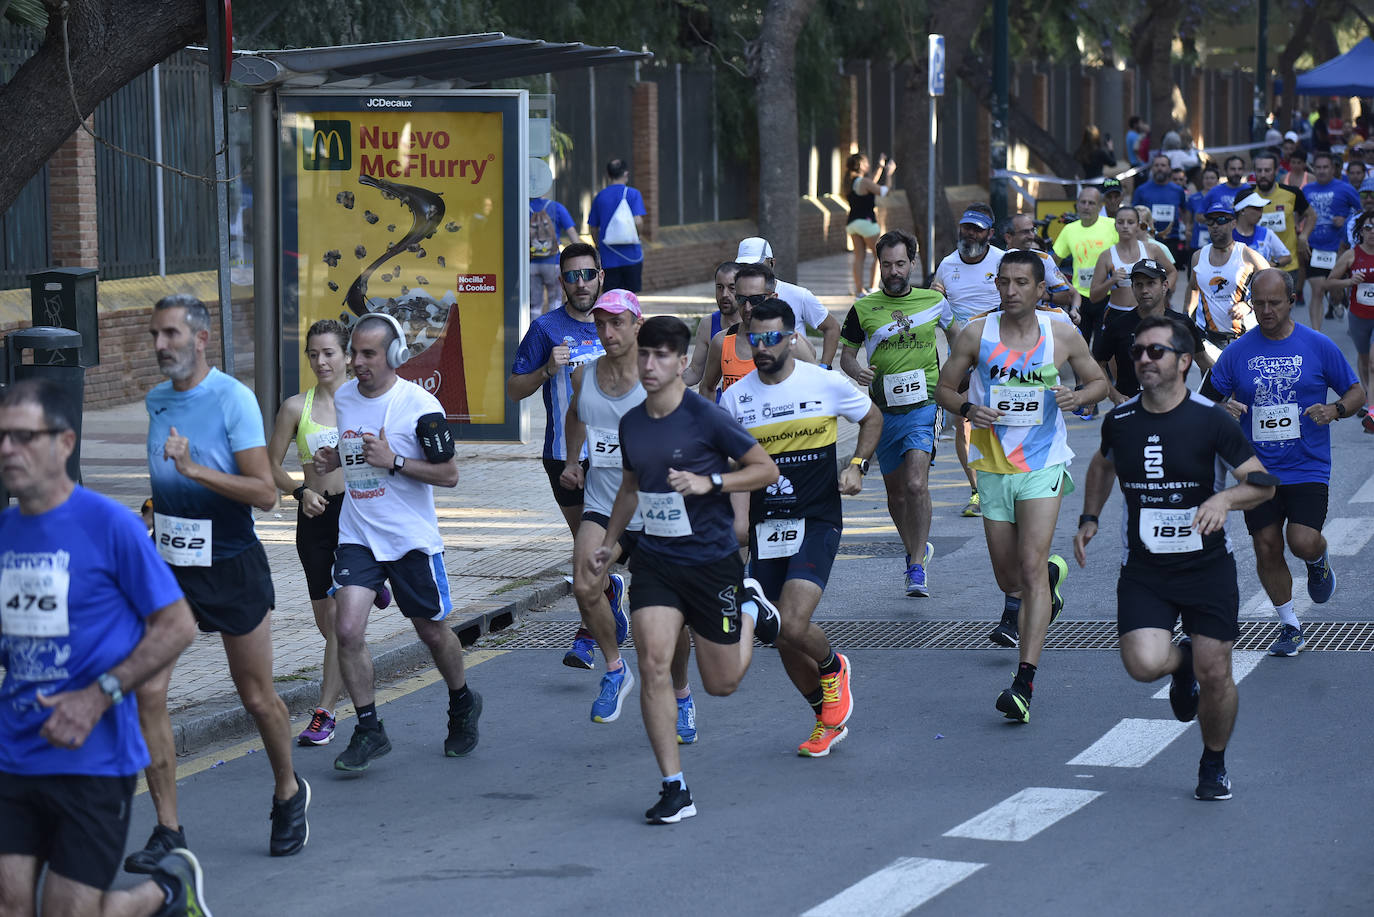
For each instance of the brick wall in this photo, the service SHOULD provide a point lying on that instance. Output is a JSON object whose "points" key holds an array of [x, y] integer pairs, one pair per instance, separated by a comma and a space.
{"points": [[74, 235], [644, 160]]}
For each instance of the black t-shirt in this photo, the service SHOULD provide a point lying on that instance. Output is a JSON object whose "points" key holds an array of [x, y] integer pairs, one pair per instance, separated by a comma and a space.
{"points": [[699, 437], [1114, 339], [1167, 465]]}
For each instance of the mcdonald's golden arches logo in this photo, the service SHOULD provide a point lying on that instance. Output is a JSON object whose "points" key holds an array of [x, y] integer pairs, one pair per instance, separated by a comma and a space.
{"points": [[327, 146]]}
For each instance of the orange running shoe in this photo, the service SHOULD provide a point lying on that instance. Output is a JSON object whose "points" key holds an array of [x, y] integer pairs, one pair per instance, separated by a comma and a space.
{"points": [[837, 703], [822, 738]]}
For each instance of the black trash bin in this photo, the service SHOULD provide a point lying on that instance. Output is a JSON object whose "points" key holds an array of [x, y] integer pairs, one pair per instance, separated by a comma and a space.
{"points": [[58, 348]]}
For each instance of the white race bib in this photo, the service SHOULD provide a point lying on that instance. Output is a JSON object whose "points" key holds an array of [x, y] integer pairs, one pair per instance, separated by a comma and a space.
{"points": [[33, 602], [1274, 422], [1364, 294], [905, 388], [1085, 277], [779, 537], [183, 542], [359, 475], [1274, 222], [1020, 407], [665, 515], [1169, 531], [1324, 260], [318, 440], [603, 447], [1162, 213]]}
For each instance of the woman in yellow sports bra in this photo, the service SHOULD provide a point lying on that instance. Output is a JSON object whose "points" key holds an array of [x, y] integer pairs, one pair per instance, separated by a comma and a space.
{"points": [[309, 420]]}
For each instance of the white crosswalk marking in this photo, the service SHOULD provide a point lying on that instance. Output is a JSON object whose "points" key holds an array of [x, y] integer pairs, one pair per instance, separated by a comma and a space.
{"points": [[1347, 537], [1242, 664], [1130, 743], [1365, 494], [1258, 605], [1024, 815], [898, 888]]}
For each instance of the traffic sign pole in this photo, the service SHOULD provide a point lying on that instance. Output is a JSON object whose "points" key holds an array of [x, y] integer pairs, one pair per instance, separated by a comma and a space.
{"points": [[936, 87]]}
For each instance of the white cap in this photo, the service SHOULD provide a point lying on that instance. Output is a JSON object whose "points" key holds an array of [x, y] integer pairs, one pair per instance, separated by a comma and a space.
{"points": [[1250, 200], [753, 250], [1291, 135]]}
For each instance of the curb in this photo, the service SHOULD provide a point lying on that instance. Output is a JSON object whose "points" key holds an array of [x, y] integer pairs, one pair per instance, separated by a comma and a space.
{"points": [[224, 718]]}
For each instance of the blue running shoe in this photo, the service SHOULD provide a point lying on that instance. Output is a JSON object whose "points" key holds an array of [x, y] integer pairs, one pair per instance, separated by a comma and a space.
{"points": [[1290, 641], [686, 721], [916, 584], [614, 687], [1321, 580], [620, 607], [582, 654]]}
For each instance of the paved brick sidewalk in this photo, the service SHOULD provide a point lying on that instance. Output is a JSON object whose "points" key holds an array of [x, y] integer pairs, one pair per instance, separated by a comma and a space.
{"points": [[500, 524]]}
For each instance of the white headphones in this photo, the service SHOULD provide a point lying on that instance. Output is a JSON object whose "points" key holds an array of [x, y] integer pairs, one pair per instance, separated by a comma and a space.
{"points": [[396, 352]]}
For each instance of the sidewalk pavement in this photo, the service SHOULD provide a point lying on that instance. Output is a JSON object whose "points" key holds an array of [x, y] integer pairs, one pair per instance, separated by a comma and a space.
{"points": [[507, 546]]}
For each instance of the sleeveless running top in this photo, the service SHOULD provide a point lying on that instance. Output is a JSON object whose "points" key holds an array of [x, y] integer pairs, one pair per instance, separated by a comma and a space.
{"points": [[1141, 254], [310, 436], [1362, 295], [732, 367], [1222, 288], [601, 413], [715, 324], [860, 205], [1018, 384]]}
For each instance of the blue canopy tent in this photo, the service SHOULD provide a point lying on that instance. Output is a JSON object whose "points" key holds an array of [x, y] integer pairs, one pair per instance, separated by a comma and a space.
{"points": [[1351, 74]]}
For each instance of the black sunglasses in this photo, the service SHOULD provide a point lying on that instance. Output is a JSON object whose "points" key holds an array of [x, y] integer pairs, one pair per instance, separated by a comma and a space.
{"points": [[1153, 351], [582, 273], [1219, 221], [24, 437], [753, 299]]}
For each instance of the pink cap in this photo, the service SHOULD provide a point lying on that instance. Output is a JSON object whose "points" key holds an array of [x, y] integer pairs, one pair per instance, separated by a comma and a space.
{"points": [[614, 301]]}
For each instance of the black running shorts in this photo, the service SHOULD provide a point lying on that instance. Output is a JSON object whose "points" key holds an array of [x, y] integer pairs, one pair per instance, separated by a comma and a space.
{"points": [[563, 496], [1301, 504], [1206, 598], [231, 596], [627, 540], [77, 825], [707, 595], [316, 540], [812, 562]]}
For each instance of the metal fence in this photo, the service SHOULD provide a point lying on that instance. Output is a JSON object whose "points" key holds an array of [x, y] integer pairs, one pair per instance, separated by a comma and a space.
{"points": [[24, 227]]}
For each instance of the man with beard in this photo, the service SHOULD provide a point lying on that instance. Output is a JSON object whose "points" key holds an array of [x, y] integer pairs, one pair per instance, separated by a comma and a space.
{"points": [[1233, 170], [730, 358], [557, 343], [208, 465], [1168, 203], [1112, 347], [726, 314], [1266, 242], [1286, 214], [967, 279], [805, 306], [1219, 288], [896, 325], [1019, 235]]}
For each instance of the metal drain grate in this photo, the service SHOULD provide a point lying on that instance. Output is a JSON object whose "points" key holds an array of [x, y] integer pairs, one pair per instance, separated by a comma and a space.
{"points": [[1337, 636]]}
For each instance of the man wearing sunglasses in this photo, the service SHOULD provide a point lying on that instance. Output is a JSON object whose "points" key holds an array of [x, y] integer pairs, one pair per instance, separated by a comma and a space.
{"points": [[806, 307], [1163, 447], [792, 409], [557, 343], [1112, 348], [1020, 448], [1219, 286], [1274, 380], [730, 357]]}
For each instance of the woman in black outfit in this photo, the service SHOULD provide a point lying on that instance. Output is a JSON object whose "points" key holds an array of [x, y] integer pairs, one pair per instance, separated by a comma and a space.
{"points": [[1093, 154]]}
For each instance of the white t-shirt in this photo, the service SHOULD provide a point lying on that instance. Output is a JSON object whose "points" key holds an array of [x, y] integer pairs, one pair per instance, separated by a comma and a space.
{"points": [[970, 288], [805, 306], [390, 515]]}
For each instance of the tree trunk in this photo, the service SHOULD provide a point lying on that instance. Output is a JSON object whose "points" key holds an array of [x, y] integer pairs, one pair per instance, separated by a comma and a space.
{"points": [[1288, 58], [779, 161], [1163, 27], [112, 41]]}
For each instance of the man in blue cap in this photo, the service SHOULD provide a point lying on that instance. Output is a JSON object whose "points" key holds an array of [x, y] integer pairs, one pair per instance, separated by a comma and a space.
{"points": [[1219, 288]]}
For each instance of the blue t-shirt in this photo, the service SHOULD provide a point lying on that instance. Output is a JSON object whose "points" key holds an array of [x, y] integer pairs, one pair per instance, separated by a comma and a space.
{"points": [[1132, 142], [1295, 372], [76, 584], [1222, 192], [547, 332], [1334, 199], [1167, 200], [560, 221], [1197, 206], [699, 437], [220, 417], [604, 205]]}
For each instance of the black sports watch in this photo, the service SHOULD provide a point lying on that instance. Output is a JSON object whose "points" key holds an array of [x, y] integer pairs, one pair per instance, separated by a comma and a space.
{"points": [[717, 482], [965, 408], [1086, 518], [1340, 410], [298, 493]]}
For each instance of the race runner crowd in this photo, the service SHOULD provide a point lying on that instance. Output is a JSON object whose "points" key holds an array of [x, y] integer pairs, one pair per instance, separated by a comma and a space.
{"points": [[707, 464]]}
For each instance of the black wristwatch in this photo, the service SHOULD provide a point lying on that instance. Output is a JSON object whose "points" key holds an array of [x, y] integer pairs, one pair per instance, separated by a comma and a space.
{"points": [[298, 493], [965, 408], [1085, 518], [717, 483], [1340, 410]]}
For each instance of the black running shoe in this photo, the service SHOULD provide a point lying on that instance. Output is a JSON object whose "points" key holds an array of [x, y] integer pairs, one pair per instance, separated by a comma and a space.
{"points": [[1007, 632], [1059, 569], [162, 841], [179, 874], [1183, 689], [674, 804], [1014, 705], [290, 830], [365, 745], [1212, 782], [462, 730], [769, 624]]}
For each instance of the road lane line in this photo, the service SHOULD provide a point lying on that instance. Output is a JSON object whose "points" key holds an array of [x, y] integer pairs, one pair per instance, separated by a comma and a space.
{"points": [[898, 888], [1347, 537], [384, 695], [1365, 494], [1024, 815], [1259, 606], [1130, 743], [1243, 662]]}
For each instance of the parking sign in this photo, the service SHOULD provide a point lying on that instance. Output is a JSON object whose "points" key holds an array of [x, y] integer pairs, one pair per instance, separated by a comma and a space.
{"points": [[937, 65]]}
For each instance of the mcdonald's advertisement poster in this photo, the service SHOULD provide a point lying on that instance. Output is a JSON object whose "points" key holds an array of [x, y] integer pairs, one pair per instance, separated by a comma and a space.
{"points": [[402, 204]]}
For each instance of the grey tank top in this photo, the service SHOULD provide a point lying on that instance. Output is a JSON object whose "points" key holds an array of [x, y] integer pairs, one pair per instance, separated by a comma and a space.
{"points": [[601, 413]]}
